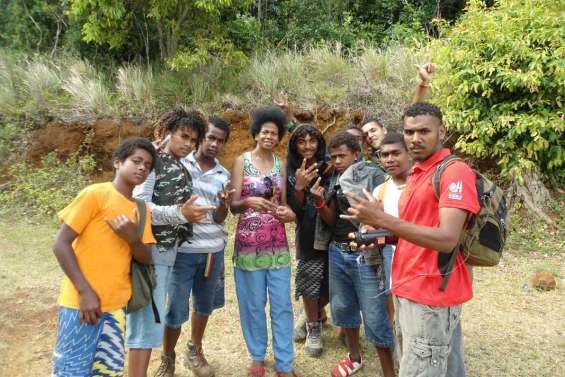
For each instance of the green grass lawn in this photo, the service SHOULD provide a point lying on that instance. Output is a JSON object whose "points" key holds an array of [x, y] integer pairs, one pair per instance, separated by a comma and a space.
{"points": [[510, 328]]}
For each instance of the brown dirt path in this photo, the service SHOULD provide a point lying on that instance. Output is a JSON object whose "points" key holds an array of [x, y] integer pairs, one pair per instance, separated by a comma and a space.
{"points": [[510, 329]]}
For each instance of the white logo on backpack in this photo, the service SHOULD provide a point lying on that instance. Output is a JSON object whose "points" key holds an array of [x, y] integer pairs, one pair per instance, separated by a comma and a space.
{"points": [[456, 190]]}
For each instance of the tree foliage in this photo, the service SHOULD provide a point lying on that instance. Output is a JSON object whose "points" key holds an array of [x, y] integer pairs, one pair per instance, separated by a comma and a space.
{"points": [[114, 31], [501, 84]]}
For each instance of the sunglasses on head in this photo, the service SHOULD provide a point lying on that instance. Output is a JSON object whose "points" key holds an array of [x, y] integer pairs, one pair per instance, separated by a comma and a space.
{"points": [[269, 188]]}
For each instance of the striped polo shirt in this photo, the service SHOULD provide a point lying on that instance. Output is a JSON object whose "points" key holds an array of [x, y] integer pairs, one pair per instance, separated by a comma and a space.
{"points": [[208, 238]]}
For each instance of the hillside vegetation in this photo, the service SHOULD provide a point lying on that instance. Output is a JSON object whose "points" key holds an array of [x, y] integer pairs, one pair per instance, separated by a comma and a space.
{"points": [[500, 70]]}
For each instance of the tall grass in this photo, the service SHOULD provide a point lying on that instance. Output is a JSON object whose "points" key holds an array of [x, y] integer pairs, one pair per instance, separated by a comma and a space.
{"points": [[41, 89], [377, 80], [134, 86], [90, 96]]}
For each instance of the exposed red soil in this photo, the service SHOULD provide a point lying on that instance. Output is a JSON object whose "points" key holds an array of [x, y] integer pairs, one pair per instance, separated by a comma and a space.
{"points": [[101, 137]]}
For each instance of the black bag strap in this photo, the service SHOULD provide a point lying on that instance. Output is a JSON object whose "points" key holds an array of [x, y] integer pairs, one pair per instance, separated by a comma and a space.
{"points": [[449, 268], [436, 180], [140, 228]]}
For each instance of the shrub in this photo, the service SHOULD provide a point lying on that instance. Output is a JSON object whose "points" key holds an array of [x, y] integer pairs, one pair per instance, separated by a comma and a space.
{"points": [[9, 134], [48, 188], [501, 84]]}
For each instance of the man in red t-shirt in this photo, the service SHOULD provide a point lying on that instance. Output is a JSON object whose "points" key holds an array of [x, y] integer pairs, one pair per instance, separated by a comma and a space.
{"points": [[428, 230]]}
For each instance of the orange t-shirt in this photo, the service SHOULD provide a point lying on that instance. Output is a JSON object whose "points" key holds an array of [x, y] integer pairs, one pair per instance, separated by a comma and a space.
{"points": [[103, 257]]}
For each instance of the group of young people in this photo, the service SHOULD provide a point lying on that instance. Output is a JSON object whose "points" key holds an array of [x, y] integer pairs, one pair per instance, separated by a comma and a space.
{"points": [[331, 192]]}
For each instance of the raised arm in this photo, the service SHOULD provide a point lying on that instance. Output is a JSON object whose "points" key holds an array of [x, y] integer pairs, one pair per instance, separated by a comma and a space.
{"points": [[327, 210], [425, 73]]}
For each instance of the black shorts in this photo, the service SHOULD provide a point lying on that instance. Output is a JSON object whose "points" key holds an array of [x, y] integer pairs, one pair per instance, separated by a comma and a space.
{"points": [[312, 278]]}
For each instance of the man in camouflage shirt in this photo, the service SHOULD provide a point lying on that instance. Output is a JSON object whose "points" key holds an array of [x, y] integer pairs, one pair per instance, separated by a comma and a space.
{"points": [[167, 191]]}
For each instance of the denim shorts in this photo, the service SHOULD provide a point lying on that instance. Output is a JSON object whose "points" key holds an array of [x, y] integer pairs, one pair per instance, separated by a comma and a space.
{"points": [[356, 289], [188, 277], [141, 330], [388, 252]]}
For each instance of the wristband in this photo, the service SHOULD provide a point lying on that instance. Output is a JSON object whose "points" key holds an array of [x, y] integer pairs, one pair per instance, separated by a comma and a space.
{"points": [[321, 205], [423, 84]]}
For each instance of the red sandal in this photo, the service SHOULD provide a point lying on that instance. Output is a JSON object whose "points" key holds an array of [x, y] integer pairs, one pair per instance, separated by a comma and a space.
{"points": [[258, 371]]}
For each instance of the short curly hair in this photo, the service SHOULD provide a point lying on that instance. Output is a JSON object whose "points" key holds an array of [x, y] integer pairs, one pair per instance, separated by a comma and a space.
{"points": [[269, 115], [394, 138], [345, 138], [130, 145], [177, 118], [423, 108], [220, 123]]}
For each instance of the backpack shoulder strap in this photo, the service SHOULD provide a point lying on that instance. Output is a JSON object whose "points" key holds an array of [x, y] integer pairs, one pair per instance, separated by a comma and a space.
{"points": [[142, 216], [144, 269], [436, 178]]}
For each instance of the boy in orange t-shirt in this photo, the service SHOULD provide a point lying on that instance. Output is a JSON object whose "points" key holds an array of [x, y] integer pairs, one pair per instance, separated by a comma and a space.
{"points": [[95, 246]]}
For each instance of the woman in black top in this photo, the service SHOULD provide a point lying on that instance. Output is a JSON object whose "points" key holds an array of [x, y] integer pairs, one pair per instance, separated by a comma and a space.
{"points": [[306, 163]]}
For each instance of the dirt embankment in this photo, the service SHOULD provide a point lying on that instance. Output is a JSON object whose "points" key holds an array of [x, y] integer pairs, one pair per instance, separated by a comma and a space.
{"points": [[101, 137]]}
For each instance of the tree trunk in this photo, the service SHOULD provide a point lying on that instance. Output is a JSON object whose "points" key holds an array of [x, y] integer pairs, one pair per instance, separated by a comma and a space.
{"points": [[532, 193], [162, 47]]}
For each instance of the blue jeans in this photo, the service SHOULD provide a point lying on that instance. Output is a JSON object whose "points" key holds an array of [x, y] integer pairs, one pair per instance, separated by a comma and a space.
{"points": [[355, 289], [141, 330], [251, 289], [188, 277]]}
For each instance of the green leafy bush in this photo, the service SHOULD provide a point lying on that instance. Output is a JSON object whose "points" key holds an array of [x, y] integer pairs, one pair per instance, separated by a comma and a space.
{"points": [[501, 84], [9, 134], [48, 188]]}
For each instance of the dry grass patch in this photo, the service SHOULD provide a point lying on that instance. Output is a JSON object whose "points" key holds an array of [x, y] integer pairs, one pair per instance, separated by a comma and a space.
{"points": [[510, 329]]}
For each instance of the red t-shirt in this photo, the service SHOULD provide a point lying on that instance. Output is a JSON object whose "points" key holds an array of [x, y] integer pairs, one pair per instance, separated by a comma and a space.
{"points": [[415, 269]]}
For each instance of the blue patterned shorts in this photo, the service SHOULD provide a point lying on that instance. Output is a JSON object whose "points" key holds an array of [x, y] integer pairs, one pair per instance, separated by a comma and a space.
{"points": [[89, 350]]}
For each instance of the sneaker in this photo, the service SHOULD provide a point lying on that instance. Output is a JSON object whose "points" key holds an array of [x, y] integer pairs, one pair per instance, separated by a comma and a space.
{"points": [[314, 345], [347, 367], [300, 327], [167, 366], [196, 362]]}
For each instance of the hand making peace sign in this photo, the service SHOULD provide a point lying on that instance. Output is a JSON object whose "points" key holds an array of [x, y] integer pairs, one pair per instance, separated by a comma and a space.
{"points": [[305, 175]]}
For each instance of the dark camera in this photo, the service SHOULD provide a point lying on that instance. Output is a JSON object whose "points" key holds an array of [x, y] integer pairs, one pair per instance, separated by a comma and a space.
{"points": [[378, 237], [269, 188]]}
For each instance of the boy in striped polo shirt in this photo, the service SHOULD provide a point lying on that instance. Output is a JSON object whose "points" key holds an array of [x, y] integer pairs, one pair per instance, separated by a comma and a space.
{"points": [[199, 265]]}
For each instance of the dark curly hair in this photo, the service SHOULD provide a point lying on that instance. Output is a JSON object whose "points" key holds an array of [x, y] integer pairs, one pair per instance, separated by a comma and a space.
{"points": [[220, 123], [293, 159], [266, 115], [344, 138], [130, 145], [394, 138], [177, 118], [423, 108]]}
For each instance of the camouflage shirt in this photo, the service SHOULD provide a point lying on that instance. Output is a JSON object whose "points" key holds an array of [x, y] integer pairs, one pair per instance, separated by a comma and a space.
{"points": [[173, 186]]}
